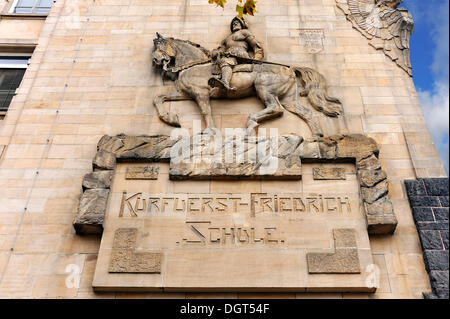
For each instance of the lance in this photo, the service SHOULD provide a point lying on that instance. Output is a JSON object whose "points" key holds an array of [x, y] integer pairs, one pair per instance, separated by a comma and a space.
{"points": [[253, 61]]}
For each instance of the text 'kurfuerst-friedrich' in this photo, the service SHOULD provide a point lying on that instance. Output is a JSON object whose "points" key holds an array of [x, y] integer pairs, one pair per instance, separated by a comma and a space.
{"points": [[141, 204]]}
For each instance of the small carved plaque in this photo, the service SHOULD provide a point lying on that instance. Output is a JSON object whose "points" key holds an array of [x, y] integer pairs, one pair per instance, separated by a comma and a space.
{"points": [[124, 259], [328, 173], [312, 39], [147, 172]]}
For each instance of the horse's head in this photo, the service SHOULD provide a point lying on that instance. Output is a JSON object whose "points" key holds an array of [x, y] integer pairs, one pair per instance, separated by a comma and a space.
{"points": [[172, 54], [163, 52]]}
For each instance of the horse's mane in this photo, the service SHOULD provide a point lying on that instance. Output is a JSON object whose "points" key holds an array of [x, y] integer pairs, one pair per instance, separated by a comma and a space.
{"points": [[205, 51]]}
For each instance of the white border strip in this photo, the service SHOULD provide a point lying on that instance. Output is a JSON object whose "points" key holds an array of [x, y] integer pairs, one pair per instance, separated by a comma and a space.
{"points": [[13, 6], [16, 65], [13, 66]]}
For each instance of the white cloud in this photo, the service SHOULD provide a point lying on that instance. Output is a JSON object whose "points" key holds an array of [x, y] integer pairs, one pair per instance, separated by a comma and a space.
{"points": [[440, 36], [435, 105], [435, 102]]}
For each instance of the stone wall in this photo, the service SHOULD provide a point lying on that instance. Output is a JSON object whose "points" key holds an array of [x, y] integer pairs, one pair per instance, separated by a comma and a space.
{"points": [[429, 201], [18, 30]]}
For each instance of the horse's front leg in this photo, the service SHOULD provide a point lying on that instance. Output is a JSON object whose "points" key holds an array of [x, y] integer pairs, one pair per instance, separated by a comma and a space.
{"points": [[205, 108], [165, 116], [272, 109]]}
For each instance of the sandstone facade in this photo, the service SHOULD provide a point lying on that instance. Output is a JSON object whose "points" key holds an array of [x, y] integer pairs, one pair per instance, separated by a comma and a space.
{"points": [[90, 76]]}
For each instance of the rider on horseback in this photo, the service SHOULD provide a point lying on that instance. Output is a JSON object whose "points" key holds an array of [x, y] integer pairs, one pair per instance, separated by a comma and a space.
{"points": [[241, 43]]}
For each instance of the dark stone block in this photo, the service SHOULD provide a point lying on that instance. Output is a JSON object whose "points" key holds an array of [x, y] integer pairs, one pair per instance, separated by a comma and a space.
{"points": [[424, 201], [441, 225], [442, 293], [422, 214], [444, 201], [436, 186], [429, 295], [439, 294], [430, 239], [99, 179], [444, 236], [415, 188], [439, 279], [436, 260], [441, 213]]}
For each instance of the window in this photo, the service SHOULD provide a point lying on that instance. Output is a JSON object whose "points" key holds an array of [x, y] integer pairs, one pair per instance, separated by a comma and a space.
{"points": [[32, 6], [12, 69]]}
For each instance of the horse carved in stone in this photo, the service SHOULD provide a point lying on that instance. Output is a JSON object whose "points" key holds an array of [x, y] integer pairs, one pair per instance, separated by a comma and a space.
{"points": [[276, 86]]}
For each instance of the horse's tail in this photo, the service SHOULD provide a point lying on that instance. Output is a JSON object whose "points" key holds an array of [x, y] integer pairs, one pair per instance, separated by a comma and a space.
{"points": [[315, 89], [169, 117]]}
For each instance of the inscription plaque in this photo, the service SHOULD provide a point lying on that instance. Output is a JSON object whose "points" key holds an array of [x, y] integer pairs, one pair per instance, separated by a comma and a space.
{"points": [[174, 238], [142, 172], [312, 40]]}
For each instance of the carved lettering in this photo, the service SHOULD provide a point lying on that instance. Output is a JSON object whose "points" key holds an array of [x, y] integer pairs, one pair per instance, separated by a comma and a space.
{"points": [[199, 234], [141, 205]]}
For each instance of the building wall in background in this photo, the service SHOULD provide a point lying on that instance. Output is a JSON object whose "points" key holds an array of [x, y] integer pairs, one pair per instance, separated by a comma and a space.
{"points": [[91, 74]]}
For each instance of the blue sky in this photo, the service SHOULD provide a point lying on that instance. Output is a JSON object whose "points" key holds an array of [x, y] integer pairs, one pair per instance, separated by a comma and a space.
{"points": [[429, 58]]}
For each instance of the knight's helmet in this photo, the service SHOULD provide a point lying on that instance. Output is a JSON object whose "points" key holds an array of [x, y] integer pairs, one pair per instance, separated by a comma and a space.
{"points": [[241, 21]]}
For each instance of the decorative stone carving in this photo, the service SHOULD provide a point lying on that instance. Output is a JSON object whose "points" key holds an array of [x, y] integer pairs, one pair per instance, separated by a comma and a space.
{"points": [[240, 44], [371, 194], [345, 259], [369, 178], [273, 158], [125, 259], [290, 151], [312, 39], [147, 172], [370, 163], [355, 146], [193, 68], [98, 179], [104, 160], [380, 216], [91, 211], [379, 211], [93, 201], [335, 173], [384, 24], [149, 148]]}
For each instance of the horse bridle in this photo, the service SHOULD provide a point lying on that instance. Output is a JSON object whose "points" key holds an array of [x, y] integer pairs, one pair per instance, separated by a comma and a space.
{"points": [[169, 52]]}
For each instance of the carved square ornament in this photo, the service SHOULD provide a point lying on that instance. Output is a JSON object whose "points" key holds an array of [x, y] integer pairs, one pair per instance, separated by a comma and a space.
{"points": [[312, 39]]}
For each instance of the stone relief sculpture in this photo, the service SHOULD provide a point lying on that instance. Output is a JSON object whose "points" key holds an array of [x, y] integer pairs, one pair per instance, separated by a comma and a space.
{"points": [[235, 49], [387, 26], [196, 72], [291, 150]]}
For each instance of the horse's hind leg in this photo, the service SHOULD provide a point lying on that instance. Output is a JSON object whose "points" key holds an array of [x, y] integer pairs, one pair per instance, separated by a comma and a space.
{"points": [[205, 108], [169, 117], [272, 109], [307, 115]]}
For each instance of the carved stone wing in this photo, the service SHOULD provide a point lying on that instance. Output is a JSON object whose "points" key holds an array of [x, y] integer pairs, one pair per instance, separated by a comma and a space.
{"points": [[366, 16], [386, 28], [400, 26]]}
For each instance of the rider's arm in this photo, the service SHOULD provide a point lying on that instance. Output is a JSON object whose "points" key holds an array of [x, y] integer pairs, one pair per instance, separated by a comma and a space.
{"points": [[219, 50], [256, 46]]}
